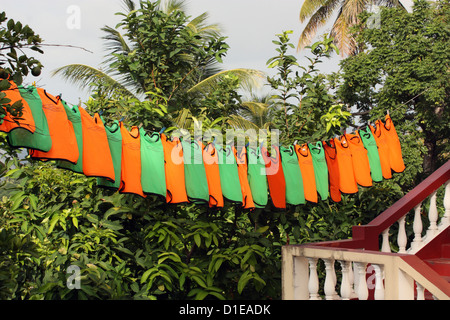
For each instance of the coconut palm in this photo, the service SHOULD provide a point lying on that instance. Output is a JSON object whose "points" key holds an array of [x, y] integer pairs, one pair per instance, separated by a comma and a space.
{"points": [[115, 44], [319, 12]]}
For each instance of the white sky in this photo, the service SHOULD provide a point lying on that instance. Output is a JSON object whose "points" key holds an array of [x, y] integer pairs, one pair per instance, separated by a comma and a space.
{"points": [[250, 26]]}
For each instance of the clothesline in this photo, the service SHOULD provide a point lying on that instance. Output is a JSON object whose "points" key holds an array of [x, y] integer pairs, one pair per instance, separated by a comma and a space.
{"points": [[188, 171]]}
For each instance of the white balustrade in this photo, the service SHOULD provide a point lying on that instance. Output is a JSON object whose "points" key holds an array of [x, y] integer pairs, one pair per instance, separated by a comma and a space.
{"points": [[417, 227], [313, 283], [432, 215], [401, 236]]}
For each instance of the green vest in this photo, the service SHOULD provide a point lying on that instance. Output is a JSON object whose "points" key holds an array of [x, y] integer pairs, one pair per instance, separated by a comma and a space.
{"points": [[194, 172], [320, 168], [40, 139], [153, 176], [292, 176], [229, 175], [73, 114], [115, 148], [257, 179], [372, 153]]}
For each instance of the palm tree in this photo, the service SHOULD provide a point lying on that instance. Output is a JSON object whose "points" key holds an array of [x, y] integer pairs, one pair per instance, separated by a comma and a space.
{"points": [[319, 12], [115, 44]]}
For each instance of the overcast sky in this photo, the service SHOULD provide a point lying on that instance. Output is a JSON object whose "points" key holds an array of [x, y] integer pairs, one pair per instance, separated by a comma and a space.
{"points": [[250, 26]]}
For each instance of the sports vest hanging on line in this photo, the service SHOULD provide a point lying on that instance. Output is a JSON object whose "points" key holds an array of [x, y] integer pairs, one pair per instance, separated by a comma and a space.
{"points": [[211, 162], [347, 181], [241, 160], [292, 176], [229, 176], [383, 149], [395, 149], [40, 139], [320, 168], [372, 153], [333, 169], [275, 177], [64, 141], [26, 121], [115, 149], [73, 114], [174, 170], [153, 177], [130, 181], [97, 160], [195, 174], [257, 180], [307, 168], [360, 161]]}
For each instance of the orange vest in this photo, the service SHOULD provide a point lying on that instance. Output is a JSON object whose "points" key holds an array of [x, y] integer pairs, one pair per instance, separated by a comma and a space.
{"points": [[64, 141], [26, 122], [275, 177], [97, 160], [395, 149], [383, 148], [174, 170], [306, 167], [333, 169], [347, 180], [211, 163], [360, 160], [241, 160], [130, 181]]}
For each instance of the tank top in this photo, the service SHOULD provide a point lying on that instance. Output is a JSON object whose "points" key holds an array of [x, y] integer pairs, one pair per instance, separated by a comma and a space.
{"points": [[153, 177], [115, 149], [257, 180], [307, 168], [174, 170], [241, 160], [40, 139], [26, 121], [360, 160], [372, 153], [347, 181], [97, 160], [275, 177], [64, 142], [195, 174], [395, 149], [333, 169], [383, 149], [292, 176], [130, 180], [211, 161], [320, 169], [73, 114], [229, 176]]}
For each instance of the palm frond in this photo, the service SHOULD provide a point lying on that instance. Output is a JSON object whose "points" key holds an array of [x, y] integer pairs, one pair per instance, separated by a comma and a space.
{"points": [[317, 20], [309, 7], [83, 76], [208, 31], [249, 78], [342, 37], [114, 43]]}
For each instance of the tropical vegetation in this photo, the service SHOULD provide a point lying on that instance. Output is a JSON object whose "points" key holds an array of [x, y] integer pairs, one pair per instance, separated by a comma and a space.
{"points": [[163, 71]]}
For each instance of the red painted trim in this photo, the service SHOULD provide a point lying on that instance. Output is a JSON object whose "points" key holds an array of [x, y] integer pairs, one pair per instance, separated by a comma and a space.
{"points": [[427, 272]]}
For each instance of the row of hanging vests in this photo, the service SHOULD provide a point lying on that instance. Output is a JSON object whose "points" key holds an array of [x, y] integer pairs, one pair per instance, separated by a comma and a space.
{"points": [[181, 171]]}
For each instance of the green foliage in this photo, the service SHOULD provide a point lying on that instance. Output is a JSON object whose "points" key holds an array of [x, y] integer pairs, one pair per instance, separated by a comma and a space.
{"points": [[403, 67]]}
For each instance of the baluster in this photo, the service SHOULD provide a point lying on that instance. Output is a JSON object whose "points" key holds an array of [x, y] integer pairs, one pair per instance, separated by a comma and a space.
{"points": [[330, 282], [346, 288], [417, 227], [313, 283], [385, 247], [362, 291], [401, 237], [420, 291], [433, 215], [446, 217], [379, 287]]}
